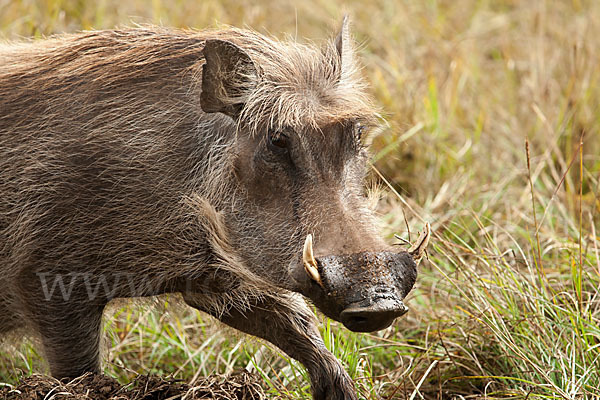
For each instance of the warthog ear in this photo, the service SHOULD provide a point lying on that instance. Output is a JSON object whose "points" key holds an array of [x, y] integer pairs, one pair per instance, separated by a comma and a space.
{"points": [[228, 76], [343, 44]]}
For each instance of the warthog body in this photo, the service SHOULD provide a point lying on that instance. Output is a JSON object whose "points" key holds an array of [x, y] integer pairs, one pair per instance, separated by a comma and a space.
{"points": [[144, 161]]}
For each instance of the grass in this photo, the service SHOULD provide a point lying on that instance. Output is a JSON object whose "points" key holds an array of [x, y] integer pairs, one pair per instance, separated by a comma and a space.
{"points": [[492, 136]]}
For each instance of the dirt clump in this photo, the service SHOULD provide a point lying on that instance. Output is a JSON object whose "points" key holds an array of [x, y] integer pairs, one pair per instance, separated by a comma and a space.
{"points": [[239, 386]]}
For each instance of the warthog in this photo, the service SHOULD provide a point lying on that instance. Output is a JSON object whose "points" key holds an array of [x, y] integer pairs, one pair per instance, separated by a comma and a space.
{"points": [[222, 165]]}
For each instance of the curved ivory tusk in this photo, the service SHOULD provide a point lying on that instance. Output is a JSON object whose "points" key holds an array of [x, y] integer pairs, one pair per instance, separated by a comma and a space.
{"points": [[417, 250], [308, 259]]}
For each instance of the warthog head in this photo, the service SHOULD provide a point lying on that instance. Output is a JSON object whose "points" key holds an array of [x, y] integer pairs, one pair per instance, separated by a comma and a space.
{"points": [[299, 217]]}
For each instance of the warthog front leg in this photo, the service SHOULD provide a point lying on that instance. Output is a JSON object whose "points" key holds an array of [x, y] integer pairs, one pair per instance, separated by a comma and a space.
{"points": [[289, 324], [67, 320]]}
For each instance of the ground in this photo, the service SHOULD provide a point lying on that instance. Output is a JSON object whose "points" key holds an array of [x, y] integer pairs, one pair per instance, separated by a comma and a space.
{"points": [[241, 386]]}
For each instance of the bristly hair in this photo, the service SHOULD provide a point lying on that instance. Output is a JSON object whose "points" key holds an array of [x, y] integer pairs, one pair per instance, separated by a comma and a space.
{"points": [[300, 85]]}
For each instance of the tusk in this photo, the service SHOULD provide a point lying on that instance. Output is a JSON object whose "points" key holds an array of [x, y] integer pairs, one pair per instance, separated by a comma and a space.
{"points": [[417, 250], [308, 259]]}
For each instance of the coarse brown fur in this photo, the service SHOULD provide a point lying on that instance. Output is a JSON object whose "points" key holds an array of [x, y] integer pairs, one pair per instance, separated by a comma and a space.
{"points": [[119, 178]]}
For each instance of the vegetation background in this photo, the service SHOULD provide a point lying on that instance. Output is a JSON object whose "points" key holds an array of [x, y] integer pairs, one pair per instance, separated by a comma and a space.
{"points": [[508, 305]]}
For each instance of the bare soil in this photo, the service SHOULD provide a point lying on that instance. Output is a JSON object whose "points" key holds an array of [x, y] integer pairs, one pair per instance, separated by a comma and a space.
{"points": [[239, 386]]}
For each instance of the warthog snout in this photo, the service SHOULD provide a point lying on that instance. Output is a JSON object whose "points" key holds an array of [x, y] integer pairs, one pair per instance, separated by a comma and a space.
{"points": [[363, 290]]}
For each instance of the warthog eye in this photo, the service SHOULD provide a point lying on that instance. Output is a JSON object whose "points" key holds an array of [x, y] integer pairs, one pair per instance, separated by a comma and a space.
{"points": [[278, 140]]}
